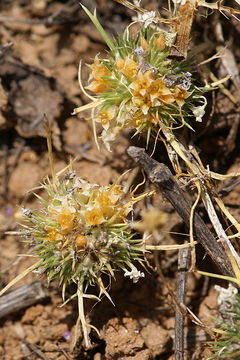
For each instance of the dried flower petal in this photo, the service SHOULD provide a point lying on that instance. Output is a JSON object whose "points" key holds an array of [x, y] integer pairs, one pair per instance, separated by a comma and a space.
{"points": [[147, 18]]}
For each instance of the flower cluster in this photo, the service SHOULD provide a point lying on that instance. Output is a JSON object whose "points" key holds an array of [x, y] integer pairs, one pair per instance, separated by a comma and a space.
{"points": [[83, 232], [138, 87]]}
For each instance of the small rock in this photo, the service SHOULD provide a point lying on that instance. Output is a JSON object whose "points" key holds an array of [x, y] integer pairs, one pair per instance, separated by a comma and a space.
{"points": [[156, 339], [32, 313], [24, 178], [123, 339]]}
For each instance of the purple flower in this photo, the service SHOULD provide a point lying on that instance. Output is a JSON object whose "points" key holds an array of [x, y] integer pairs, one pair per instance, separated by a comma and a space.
{"points": [[66, 335], [9, 211]]}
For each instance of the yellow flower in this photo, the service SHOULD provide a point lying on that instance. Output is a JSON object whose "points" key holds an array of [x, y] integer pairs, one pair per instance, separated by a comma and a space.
{"points": [[180, 95], [159, 93], [104, 199], [120, 63], [138, 119], [99, 71], [53, 235], [128, 67], [142, 83], [65, 220], [99, 86], [143, 102], [141, 91], [94, 217], [105, 116], [107, 200]]}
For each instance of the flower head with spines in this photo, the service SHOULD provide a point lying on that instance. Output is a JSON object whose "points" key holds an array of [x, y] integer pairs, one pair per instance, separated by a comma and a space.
{"points": [[137, 87], [82, 231]]}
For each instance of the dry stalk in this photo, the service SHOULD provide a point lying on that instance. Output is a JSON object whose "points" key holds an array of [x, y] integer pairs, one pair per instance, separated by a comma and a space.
{"points": [[218, 6], [162, 178], [180, 306], [202, 180]]}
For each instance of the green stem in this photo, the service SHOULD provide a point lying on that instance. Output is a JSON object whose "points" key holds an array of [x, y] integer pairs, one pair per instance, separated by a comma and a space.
{"points": [[218, 276], [99, 27]]}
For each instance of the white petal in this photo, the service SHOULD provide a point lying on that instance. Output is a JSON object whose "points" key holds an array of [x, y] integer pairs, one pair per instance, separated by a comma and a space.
{"points": [[199, 111]]}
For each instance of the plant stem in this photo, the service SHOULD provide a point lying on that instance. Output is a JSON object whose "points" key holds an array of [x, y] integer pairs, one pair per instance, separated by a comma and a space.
{"points": [[81, 317]]}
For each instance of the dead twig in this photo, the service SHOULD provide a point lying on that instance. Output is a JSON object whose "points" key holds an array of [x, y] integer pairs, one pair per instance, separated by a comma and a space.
{"points": [[218, 6], [22, 297], [162, 178], [183, 265], [183, 309], [228, 188], [230, 143], [36, 351], [64, 353], [6, 173]]}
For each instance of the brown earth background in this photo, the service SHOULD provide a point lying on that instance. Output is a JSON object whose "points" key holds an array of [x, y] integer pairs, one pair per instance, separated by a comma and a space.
{"points": [[39, 76]]}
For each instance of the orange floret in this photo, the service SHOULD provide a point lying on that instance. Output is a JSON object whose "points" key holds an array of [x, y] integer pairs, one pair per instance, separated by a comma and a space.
{"points": [[143, 102], [120, 63], [94, 217], [104, 199], [159, 92], [99, 86], [142, 83], [138, 119], [107, 200], [80, 241], [180, 95], [99, 71], [128, 67], [52, 235], [65, 220]]}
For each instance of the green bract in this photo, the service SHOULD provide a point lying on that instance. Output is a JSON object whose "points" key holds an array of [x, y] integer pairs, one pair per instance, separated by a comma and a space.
{"points": [[227, 345]]}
